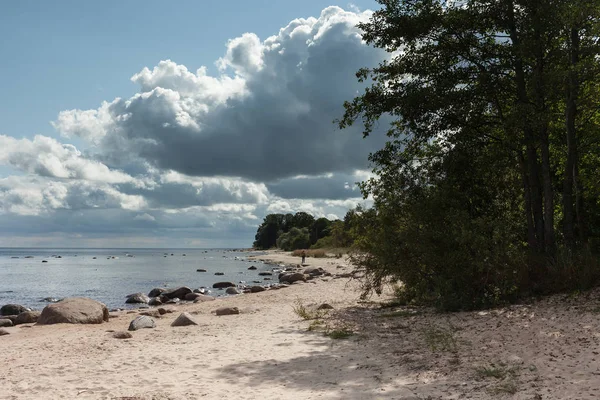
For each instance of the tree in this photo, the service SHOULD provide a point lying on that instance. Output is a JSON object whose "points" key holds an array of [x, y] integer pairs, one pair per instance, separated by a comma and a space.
{"points": [[479, 83]]}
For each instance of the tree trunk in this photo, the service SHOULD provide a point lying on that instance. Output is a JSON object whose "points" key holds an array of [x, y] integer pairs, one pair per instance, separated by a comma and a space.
{"points": [[571, 163]]}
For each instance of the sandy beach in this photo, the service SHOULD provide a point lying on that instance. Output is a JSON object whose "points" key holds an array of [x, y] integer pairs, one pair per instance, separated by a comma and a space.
{"points": [[546, 350]]}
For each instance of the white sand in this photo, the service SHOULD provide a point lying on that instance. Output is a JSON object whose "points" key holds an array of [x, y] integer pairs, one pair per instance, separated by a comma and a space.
{"points": [[543, 351]]}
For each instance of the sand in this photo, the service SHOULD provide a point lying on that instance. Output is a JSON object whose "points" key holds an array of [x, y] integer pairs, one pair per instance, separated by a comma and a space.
{"points": [[546, 350]]}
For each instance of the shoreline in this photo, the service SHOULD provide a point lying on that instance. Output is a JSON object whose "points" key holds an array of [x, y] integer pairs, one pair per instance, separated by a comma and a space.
{"points": [[544, 350]]}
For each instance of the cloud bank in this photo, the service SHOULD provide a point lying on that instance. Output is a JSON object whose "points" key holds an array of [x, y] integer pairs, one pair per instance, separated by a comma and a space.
{"points": [[193, 154]]}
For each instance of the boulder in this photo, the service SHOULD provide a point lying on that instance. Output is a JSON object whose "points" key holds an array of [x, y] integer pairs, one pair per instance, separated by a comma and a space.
{"points": [[252, 268], [74, 310], [151, 313], [179, 292], [155, 301], [232, 290], [203, 298], [27, 317], [200, 270], [173, 301], [265, 273], [122, 335], [314, 271], [256, 289], [156, 292], [184, 319], [223, 285], [4, 332], [201, 290], [192, 296], [137, 298], [163, 299], [12, 309], [5, 322], [227, 311], [219, 273], [141, 322], [163, 311], [291, 278]]}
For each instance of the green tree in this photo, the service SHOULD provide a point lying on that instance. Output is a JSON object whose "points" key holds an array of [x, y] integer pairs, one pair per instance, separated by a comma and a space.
{"points": [[481, 131]]}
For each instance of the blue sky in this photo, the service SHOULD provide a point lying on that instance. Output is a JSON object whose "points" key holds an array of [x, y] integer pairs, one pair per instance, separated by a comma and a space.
{"points": [[175, 156]]}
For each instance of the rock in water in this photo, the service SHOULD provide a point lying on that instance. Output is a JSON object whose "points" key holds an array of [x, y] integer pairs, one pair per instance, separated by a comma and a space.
{"points": [[27, 317], [122, 335], [4, 332], [232, 290], [156, 292], [184, 319], [178, 293], [223, 285], [74, 310], [200, 270], [12, 309], [143, 321], [252, 268], [5, 322], [137, 298], [227, 311]]}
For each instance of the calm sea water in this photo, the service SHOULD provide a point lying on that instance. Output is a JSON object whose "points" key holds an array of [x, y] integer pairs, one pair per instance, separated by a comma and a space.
{"points": [[108, 275]]}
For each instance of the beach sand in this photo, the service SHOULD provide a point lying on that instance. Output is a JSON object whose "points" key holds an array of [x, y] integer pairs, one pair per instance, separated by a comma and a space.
{"points": [[546, 350]]}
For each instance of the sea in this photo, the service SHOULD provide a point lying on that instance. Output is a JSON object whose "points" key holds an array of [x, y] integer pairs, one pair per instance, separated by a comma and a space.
{"points": [[32, 276]]}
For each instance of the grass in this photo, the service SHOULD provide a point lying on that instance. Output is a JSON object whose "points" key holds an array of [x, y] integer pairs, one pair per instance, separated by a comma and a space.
{"points": [[306, 313], [500, 371], [342, 333], [438, 339]]}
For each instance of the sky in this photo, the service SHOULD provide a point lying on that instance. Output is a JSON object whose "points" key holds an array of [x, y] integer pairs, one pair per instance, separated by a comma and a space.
{"points": [[180, 124]]}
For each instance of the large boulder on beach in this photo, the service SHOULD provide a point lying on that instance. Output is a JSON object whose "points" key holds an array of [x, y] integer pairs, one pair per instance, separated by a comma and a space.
{"points": [[184, 319], [12, 309], [179, 293], [5, 322], [257, 289], [227, 311], [291, 277], [141, 322], [74, 310], [27, 317], [202, 298], [4, 332], [137, 298], [156, 292], [223, 285]]}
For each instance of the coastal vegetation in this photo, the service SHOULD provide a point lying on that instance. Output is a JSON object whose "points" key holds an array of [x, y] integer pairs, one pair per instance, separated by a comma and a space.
{"points": [[487, 189]]}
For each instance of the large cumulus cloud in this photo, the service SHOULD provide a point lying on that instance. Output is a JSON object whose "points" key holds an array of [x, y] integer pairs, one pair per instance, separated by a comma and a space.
{"points": [[269, 115], [197, 159]]}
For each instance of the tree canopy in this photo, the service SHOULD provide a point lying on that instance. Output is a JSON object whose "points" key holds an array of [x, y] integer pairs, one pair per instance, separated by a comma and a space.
{"points": [[487, 187]]}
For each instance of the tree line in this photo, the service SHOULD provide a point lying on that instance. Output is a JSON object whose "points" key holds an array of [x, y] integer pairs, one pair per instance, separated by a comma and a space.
{"points": [[488, 188], [303, 231]]}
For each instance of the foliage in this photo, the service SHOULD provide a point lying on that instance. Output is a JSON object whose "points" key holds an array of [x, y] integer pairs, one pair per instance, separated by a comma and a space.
{"points": [[296, 238], [487, 188], [309, 253]]}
